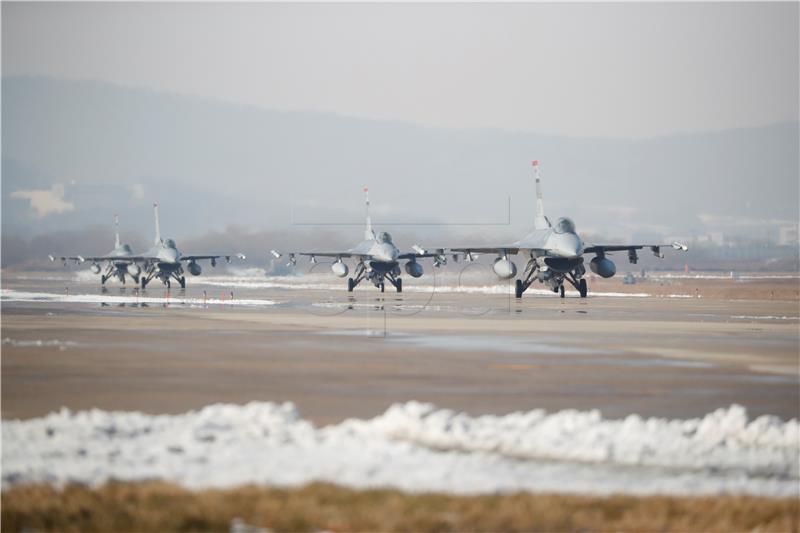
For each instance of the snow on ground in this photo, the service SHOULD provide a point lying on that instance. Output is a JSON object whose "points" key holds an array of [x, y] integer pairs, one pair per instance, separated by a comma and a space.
{"points": [[765, 317], [10, 295], [412, 446], [728, 275], [37, 343]]}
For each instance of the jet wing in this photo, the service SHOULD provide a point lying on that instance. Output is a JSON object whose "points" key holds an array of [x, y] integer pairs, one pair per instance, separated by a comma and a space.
{"points": [[292, 256], [212, 257], [487, 250], [95, 259], [655, 248], [343, 255], [438, 253]]}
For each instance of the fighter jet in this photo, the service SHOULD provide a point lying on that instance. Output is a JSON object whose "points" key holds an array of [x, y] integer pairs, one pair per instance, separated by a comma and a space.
{"points": [[117, 261], [376, 257], [555, 253], [165, 262]]}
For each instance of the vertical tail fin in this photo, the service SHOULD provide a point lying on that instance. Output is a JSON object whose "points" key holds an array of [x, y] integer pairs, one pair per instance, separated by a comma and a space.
{"points": [[540, 222], [158, 229], [368, 233], [116, 232]]}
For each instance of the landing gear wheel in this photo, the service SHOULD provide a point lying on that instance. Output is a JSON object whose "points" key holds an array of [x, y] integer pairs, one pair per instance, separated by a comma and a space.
{"points": [[518, 290], [582, 288], [144, 283], [103, 280], [561, 290], [383, 287], [399, 285], [350, 285], [169, 284], [183, 282]]}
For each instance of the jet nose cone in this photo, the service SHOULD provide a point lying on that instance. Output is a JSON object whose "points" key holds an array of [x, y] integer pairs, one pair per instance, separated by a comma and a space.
{"points": [[386, 253]]}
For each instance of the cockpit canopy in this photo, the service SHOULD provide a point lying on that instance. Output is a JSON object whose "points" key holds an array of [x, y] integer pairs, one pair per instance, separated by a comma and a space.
{"points": [[564, 225], [169, 243], [384, 237], [127, 248]]}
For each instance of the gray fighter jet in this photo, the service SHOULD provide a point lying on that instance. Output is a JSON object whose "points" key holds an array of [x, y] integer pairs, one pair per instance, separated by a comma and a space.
{"points": [[555, 253], [115, 264], [376, 259], [165, 262]]}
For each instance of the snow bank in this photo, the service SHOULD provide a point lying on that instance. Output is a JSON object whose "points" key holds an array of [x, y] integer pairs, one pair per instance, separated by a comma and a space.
{"points": [[10, 295], [37, 343], [412, 446], [765, 317]]}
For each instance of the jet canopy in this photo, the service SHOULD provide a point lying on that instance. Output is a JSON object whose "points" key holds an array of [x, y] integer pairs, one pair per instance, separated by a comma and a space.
{"points": [[127, 248], [564, 225], [384, 237], [170, 243]]}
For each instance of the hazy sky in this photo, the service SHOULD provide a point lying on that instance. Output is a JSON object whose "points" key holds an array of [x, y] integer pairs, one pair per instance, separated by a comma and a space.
{"points": [[608, 70]]}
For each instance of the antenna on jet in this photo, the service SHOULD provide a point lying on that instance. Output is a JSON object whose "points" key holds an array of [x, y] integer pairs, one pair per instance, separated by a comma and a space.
{"points": [[158, 229], [116, 231], [541, 221], [368, 233]]}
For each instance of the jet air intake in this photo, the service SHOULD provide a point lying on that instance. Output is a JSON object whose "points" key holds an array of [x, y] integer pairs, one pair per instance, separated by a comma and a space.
{"points": [[413, 269], [95, 268], [340, 269], [193, 268], [133, 269], [603, 267], [504, 268]]}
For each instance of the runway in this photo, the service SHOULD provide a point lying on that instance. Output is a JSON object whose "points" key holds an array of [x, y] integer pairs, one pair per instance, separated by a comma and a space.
{"points": [[337, 355], [653, 356]]}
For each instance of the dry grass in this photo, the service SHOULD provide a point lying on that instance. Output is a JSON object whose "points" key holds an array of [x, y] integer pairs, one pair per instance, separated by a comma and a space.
{"points": [[156, 506]]}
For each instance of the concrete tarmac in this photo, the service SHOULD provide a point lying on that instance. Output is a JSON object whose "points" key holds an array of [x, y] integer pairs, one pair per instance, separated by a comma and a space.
{"points": [[337, 355]]}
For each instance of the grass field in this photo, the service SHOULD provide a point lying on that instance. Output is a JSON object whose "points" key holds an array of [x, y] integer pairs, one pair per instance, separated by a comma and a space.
{"points": [[156, 506]]}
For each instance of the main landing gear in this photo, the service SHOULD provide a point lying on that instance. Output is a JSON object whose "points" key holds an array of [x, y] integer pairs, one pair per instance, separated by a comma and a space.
{"points": [[554, 280], [377, 278], [107, 276], [166, 278], [579, 284]]}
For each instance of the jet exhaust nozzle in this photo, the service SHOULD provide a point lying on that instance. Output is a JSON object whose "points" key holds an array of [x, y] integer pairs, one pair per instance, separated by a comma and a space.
{"points": [[340, 269], [504, 268], [603, 267], [194, 268], [413, 269]]}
